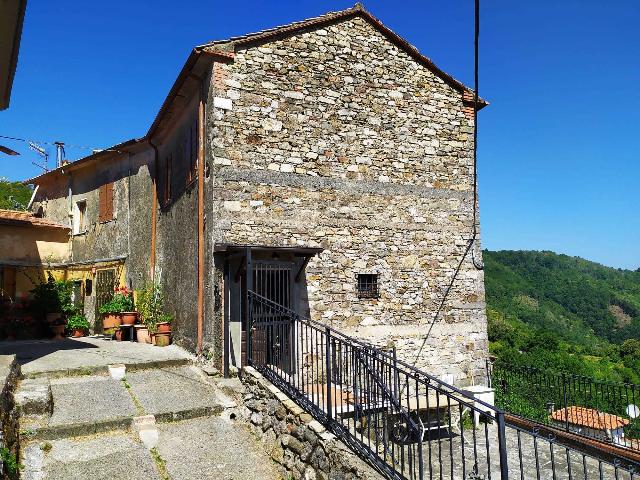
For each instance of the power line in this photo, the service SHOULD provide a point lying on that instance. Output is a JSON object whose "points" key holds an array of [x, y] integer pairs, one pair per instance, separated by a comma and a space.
{"points": [[53, 143]]}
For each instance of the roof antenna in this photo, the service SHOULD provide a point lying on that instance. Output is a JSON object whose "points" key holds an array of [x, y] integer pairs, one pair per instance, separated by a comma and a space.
{"points": [[60, 153], [43, 153]]}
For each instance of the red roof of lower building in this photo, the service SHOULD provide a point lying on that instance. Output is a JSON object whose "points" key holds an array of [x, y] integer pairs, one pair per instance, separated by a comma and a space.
{"points": [[14, 217], [590, 418]]}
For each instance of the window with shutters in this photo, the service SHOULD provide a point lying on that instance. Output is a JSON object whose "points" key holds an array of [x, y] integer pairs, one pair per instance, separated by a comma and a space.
{"points": [[167, 179], [105, 210]]}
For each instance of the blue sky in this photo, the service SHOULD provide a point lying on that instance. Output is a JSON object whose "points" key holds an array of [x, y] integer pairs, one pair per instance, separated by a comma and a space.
{"points": [[559, 144]]}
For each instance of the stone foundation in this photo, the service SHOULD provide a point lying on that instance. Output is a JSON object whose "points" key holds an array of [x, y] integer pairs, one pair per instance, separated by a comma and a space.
{"points": [[300, 445]]}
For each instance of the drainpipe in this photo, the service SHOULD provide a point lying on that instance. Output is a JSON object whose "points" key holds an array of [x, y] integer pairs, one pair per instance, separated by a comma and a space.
{"points": [[154, 208], [129, 218], [200, 219], [70, 196]]}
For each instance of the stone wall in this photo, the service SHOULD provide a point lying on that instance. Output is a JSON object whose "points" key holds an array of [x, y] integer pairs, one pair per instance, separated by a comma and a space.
{"points": [[9, 427], [299, 445], [337, 138]]}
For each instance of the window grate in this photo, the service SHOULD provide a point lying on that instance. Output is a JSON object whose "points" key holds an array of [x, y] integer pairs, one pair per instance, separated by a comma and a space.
{"points": [[368, 285]]}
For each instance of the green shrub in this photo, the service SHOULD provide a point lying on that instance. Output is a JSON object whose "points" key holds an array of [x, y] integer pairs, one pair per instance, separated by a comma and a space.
{"points": [[78, 322], [150, 306], [122, 301]]}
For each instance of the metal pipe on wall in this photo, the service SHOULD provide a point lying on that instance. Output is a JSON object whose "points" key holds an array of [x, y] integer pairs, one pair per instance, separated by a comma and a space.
{"points": [[200, 219], [154, 211]]}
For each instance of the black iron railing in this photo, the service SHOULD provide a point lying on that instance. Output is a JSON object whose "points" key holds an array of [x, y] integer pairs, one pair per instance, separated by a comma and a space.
{"points": [[606, 411], [405, 422]]}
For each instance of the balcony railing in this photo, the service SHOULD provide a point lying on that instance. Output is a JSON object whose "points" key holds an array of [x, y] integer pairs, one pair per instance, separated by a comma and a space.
{"points": [[403, 421], [605, 411]]}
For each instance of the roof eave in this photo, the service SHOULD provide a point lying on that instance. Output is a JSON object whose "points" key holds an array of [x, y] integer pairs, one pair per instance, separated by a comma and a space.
{"points": [[332, 17], [85, 161]]}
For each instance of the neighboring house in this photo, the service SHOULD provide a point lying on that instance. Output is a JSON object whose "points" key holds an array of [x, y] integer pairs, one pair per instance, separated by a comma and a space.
{"points": [[329, 158], [28, 244], [592, 423]]}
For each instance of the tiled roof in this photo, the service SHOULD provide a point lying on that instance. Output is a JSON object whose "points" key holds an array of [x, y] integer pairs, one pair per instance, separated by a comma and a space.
{"points": [[590, 418], [13, 217]]}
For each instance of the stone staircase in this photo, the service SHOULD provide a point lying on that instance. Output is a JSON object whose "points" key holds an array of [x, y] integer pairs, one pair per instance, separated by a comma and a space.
{"points": [[159, 421]]}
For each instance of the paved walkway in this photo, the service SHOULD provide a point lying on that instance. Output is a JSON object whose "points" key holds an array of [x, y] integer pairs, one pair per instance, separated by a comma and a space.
{"points": [[87, 355], [88, 426]]}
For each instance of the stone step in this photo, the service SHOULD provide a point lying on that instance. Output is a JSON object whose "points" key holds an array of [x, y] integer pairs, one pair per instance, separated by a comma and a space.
{"points": [[104, 369], [33, 397], [94, 404]]}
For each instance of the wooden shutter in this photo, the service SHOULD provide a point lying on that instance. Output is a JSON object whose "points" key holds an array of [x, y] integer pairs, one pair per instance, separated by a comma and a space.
{"points": [[101, 203], [105, 210], [109, 206]]}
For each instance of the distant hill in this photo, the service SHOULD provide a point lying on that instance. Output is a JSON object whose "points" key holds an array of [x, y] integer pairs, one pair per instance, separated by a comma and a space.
{"points": [[563, 312]]}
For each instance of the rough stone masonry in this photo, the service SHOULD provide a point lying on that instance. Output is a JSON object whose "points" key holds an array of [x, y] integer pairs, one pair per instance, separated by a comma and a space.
{"points": [[336, 137]]}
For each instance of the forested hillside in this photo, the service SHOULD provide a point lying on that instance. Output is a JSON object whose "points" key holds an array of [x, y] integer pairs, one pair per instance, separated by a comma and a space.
{"points": [[563, 313]]}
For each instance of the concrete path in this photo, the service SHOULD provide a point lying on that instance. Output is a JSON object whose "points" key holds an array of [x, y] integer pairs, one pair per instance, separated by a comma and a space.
{"points": [[73, 356], [213, 448], [88, 426]]}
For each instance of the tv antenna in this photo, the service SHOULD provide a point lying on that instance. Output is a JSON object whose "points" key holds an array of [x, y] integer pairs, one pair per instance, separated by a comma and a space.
{"points": [[42, 153]]}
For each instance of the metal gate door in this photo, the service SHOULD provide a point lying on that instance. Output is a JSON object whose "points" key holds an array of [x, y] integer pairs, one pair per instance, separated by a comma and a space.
{"points": [[105, 283], [273, 281]]}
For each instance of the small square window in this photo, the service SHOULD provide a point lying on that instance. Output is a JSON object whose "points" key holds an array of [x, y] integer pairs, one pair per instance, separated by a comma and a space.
{"points": [[368, 285]]}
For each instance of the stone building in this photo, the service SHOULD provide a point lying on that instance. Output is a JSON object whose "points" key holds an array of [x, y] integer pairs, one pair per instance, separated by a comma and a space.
{"points": [[330, 152]]}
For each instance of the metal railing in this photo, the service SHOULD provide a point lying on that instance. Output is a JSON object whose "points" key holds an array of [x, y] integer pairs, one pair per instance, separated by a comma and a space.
{"points": [[604, 411], [404, 422]]}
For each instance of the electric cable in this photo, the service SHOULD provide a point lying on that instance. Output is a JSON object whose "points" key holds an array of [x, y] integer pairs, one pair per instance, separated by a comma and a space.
{"points": [[474, 229], [53, 143]]}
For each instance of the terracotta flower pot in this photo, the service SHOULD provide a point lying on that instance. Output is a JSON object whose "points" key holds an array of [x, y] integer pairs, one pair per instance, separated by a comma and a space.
{"points": [[129, 318], [161, 339], [58, 332], [142, 334], [77, 333], [52, 317], [111, 320], [164, 327]]}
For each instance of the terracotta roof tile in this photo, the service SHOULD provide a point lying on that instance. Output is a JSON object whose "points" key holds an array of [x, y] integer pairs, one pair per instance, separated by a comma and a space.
{"points": [[590, 418], [13, 217]]}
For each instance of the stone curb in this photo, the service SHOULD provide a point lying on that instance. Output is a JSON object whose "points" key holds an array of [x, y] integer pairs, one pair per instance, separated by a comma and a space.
{"points": [[123, 423], [80, 429], [104, 369]]}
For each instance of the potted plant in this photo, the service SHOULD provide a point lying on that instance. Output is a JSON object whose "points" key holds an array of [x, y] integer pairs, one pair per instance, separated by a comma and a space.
{"points": [[45, 301], [128, 312], [150, 306], [110, 316], [118, 310], [78, 325], [58, 329]]}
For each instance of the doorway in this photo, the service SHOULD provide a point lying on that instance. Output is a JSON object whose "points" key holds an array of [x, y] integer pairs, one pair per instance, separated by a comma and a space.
{"points": [[276, 274], [105, 283]]}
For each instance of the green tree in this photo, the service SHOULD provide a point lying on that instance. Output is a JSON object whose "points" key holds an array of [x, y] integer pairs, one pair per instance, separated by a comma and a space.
{"points": [[14, 195]]}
